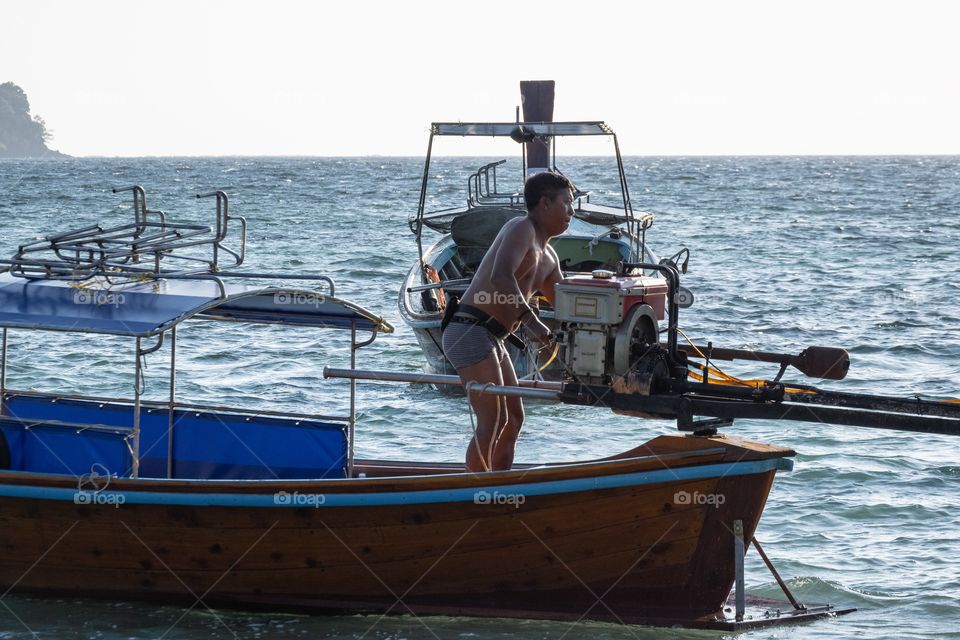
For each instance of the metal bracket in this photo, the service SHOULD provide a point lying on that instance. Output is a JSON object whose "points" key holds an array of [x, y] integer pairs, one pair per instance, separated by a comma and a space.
{"points": [[739, 550], [705, 427], [799, 606]]}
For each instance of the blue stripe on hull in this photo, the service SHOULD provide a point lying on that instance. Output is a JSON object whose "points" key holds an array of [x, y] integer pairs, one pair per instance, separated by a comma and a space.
{"points": [[469, 494]]}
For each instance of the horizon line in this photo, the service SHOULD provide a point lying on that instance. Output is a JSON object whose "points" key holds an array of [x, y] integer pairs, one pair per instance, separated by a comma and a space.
{"points": [[66, 156]]}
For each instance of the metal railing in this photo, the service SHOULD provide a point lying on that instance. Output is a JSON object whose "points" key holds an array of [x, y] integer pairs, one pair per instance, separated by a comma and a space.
{"points": [[149, 247], [482, 188]]}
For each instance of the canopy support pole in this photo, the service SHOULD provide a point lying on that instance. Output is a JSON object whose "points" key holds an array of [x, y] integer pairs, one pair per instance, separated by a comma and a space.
{"points": [[421, 206], [627, 205], [137, 398], [351, 424], [3, 374], [171, 405], [137, 380]]}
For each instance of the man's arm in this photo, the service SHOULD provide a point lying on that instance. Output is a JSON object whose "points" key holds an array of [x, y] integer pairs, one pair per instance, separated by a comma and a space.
{"points": [[555, 276]]}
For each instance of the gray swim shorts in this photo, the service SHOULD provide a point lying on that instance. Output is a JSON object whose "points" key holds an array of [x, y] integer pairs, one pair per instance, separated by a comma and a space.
{"points": [[467, 344]]}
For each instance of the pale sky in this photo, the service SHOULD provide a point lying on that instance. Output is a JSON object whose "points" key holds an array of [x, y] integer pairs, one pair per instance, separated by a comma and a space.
{"points": [[277, 77]]}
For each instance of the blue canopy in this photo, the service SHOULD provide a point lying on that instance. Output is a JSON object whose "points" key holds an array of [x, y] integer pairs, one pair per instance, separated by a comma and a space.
{"points": [[147, 308]]}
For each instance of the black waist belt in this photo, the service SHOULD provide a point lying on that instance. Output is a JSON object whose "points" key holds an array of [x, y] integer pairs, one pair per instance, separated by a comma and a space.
{"points": [[488, 322]]}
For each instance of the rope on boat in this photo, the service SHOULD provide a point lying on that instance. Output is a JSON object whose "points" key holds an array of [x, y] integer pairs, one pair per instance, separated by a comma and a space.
{"points": [[553, 355], [753, 383], [487, 461], [716, 371]]}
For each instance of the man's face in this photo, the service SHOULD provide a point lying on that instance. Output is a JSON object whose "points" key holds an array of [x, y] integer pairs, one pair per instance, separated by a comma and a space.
{"points": [[559, 211]]}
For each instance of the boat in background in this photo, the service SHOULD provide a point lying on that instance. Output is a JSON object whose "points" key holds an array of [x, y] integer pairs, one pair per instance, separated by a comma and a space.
{"points": [[599, 236], [125, 498]]}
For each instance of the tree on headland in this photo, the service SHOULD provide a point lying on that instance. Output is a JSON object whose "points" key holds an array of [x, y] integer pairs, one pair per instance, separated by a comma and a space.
{"points": [[21, 136]]}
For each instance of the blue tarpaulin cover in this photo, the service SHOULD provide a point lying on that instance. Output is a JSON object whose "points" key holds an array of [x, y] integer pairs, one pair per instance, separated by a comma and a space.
{"points": [[206, 445]]}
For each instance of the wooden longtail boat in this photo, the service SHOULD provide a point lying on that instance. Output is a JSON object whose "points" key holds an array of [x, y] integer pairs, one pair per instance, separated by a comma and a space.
{"points": [[614, 540], [171, 501]]}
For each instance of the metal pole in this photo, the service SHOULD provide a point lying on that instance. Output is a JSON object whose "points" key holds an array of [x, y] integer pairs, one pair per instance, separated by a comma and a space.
{"points": [[523, 155], [139, 207], [553, 148], [172, 403], [216, 243], [351, 426], [516, 392], [738, 553], [627, 205], [783, 585], [3, 374], [423, 199], [137, 377], [426, 378]]}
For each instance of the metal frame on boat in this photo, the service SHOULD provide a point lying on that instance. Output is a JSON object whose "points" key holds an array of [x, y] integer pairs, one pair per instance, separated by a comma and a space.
{"points": [[480, 193], [271, 509]]}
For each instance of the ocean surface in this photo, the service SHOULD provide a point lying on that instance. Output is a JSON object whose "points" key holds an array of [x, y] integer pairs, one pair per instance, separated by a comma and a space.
{"points": [[855, 252]]}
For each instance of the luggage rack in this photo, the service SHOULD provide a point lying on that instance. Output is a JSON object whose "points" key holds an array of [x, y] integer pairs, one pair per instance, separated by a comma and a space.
{"points": [[139, 250], [482, 189]]}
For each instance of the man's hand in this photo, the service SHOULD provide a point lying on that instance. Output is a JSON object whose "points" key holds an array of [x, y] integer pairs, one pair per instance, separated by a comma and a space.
{"points": [[539, 331]]}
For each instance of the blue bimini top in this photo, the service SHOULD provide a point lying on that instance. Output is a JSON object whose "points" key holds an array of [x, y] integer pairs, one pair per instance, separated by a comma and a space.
{"points": [[150, 307]]}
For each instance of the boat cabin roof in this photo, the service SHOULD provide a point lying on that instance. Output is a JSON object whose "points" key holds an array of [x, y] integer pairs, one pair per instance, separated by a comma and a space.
{"points": [[506, 129], [150, 307]]}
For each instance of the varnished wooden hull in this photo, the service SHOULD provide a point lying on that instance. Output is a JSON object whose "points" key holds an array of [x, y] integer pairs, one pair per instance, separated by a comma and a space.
{"points": [[612, 540]]}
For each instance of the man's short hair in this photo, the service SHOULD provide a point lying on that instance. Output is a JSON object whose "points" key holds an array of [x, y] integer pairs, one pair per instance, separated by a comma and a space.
{"points": [[545, 183]]}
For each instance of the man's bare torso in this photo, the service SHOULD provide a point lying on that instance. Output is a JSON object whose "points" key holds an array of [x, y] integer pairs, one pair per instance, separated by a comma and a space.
{"points": [[538, 263]]}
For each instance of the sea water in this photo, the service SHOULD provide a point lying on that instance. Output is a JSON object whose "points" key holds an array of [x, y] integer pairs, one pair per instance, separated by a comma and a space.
{"points": [[854, 252]]}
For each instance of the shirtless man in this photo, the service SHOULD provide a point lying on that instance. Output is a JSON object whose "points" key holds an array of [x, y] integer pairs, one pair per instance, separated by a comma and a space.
{"points": [[518, 264]]}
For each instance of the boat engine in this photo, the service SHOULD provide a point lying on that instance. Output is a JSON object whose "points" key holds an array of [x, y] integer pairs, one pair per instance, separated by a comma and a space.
{"points": [[608, 326]]}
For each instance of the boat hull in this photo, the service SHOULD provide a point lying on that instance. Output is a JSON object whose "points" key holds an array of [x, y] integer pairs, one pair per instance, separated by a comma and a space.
{"points": [[535, 543]]}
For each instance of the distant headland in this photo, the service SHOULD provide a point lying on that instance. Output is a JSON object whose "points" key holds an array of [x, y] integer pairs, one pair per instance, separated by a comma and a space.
{"points": [[22, 136]]}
